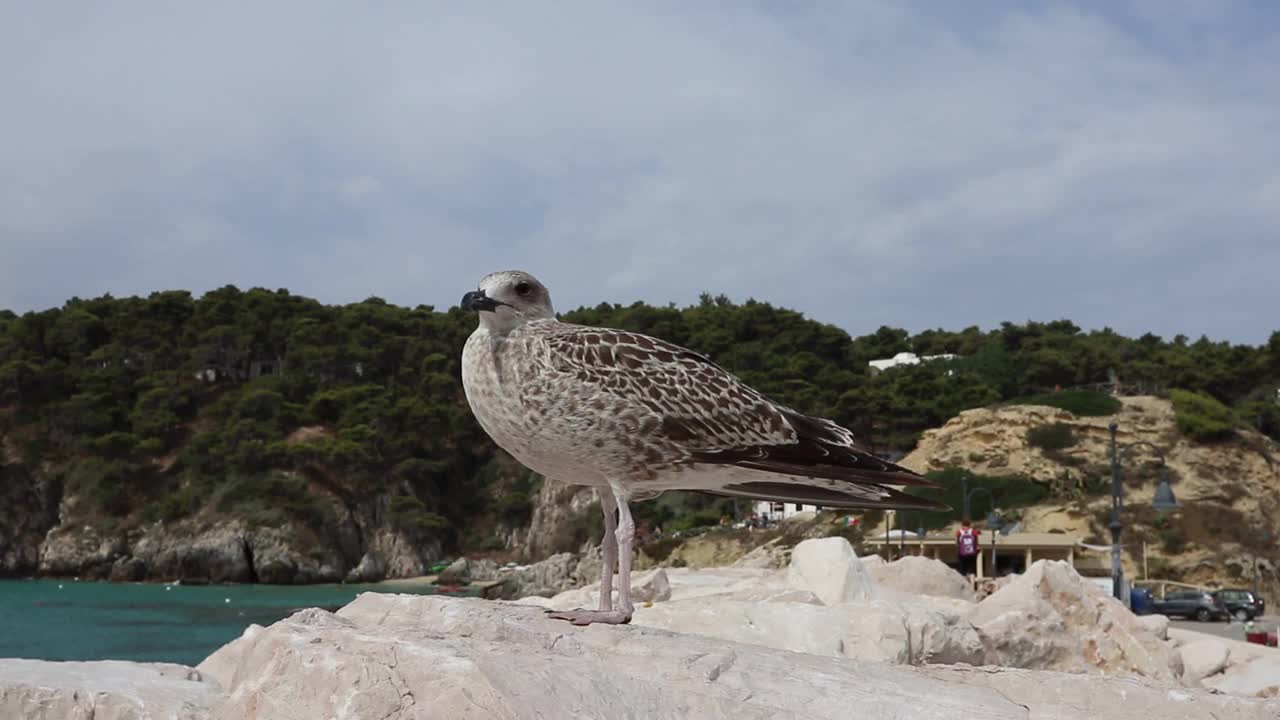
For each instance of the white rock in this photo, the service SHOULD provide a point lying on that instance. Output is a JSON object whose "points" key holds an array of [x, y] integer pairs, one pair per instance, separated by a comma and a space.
{"points": [[769, 555], [1203, 658], [1080, 696], [653, 586], [1258, 678], [829, 569], [646, 587], [871, 562], [1050, 618], [1157, 625], [922, 576], [103, 690], [414, 657]]}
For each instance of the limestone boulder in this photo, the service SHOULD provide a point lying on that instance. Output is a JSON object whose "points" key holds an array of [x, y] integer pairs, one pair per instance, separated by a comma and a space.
{"points": [[1259, 677], [1157, 625], [651, 586], [769, 555], [1050, 618], [871, 562], [458, 573], [369, 569], [922, 576], [1203, 658], [828, 568], [104, 690], [413, 657]]}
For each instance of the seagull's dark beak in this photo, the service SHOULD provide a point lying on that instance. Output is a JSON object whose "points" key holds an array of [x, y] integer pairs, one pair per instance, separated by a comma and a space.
{"points": [[477, 300]]}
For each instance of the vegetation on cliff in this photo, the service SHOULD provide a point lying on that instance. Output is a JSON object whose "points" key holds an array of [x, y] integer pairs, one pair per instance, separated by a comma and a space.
{"points": [[276, 408]]}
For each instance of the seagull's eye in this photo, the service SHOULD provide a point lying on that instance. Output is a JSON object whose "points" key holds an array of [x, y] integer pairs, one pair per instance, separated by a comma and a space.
{"points": [[523, 288]]}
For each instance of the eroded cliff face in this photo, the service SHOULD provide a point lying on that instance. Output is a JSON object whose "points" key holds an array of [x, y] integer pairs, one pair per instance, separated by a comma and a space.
{"points": [[559, 512], [28, 508], [994, 441], [44, 532], [229, 551], [1230, 491]]}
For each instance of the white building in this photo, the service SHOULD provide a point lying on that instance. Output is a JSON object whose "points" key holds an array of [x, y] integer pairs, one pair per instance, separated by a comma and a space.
{"points": [[781, 511], [906, 358]]}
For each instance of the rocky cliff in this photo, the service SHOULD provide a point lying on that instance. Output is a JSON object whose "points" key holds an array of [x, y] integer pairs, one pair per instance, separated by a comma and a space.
{"points": [[1230, 490], [43, 531]]}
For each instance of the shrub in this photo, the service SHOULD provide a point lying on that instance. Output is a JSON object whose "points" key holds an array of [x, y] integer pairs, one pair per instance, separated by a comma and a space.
{"points": [[1081, 403], [1009, 491], [408, 513], [1057, 436], [1201, 417], [514, 509], [1172, 541], [271, 498]]}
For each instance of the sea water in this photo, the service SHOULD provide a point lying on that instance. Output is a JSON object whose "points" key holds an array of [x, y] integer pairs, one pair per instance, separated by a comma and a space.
{"points": [[150, 622]]}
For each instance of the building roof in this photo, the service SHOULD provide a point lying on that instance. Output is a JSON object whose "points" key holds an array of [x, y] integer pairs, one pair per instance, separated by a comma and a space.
{"points": [[907, 358], [1016, 540]]}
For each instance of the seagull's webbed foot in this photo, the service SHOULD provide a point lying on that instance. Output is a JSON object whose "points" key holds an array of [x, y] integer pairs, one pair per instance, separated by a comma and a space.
{"points": [[586, 617]]}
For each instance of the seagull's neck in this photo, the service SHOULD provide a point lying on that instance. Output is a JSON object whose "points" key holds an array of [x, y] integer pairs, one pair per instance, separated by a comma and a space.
{"points": [[497, 329]]}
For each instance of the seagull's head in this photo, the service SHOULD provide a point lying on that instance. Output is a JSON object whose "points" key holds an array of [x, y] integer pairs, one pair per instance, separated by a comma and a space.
{"points": [[508, 299]]}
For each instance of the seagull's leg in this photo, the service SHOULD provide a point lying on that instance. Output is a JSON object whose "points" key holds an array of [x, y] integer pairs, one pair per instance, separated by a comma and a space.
{"points": [[626, 541], [608, 548], [616, 547]]}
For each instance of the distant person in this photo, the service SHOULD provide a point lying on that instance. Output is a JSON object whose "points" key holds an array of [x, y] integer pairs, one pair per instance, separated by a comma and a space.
{"points": [[967, 548]]}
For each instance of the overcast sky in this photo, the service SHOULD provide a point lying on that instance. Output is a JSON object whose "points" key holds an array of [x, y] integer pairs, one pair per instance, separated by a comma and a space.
{"points": [[930, 164]]}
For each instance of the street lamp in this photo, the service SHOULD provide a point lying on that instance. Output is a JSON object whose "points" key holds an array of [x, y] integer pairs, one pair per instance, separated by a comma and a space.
{"points": [[902, 541], [1264, 540], [1163, 500]]}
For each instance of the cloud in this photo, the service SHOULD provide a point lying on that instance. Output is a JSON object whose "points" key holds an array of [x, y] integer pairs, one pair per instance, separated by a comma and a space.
{"points": [[868, 163]]}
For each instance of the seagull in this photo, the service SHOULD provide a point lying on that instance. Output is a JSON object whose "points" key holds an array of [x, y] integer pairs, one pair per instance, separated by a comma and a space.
{"points": [[633, 416]]}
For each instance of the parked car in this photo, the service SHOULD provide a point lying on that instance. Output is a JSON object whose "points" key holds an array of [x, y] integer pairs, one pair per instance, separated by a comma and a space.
{"points": [[1243, 605], [1190, 604]]}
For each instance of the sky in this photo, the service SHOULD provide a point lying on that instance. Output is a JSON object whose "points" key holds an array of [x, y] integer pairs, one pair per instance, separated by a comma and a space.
{"points": [[911, 164]]}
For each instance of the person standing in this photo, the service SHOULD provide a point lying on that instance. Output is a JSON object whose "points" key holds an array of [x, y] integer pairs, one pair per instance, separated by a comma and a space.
{"points": [[967, 548]]}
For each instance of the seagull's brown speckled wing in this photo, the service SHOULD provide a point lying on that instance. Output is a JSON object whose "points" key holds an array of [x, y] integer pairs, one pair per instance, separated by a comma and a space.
{"points": [[713, 418]]}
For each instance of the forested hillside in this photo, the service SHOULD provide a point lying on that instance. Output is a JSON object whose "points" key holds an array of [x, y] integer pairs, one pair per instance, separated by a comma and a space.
{"points": [[271, 407]]}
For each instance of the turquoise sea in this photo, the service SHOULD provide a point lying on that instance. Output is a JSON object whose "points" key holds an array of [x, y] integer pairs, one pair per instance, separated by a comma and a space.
{"points": [[68, 620]]}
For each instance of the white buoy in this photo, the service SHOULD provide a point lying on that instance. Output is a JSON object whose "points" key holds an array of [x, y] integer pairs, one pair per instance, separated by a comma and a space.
{"points": [[227, 600], [167, 588], [59, 586]]}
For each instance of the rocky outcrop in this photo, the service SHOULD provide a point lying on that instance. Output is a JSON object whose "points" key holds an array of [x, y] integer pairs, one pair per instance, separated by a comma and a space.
{"points": [[706, 643], [1053, 619], [194, 551], [1203, 658], [827, 603], [829, 569], [107, 690], [28, 508], [556, 574], [1237, 477], [555, 507], [1247, 669], [917, 575], [399, 656], [773, 554]]}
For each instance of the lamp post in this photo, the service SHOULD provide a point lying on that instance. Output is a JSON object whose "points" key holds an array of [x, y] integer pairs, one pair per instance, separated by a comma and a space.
{"points": [[902, 537], [1264, 540], [888, 544], [1163, 500]]}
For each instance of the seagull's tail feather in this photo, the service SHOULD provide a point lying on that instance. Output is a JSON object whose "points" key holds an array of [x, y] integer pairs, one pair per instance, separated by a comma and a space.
{"points": [[822, 449]]}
